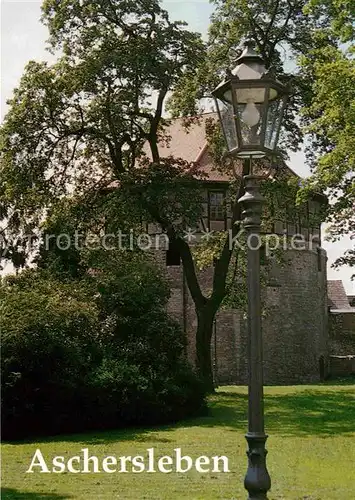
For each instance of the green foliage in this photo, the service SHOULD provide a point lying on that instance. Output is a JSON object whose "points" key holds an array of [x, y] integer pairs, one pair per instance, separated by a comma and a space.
{"points": [[168, 192], [207, 251], [100, 352], [339, 13], [75, 226], [79, 124], [49, 342], [329, 119], [129, 283], [282, 31]]}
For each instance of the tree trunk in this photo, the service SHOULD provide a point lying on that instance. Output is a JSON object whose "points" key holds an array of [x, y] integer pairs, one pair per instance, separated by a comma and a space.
{"points": [[204, 331]]}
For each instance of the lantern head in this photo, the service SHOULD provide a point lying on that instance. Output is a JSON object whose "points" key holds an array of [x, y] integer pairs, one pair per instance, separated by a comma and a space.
{"points": [[250, 105]]}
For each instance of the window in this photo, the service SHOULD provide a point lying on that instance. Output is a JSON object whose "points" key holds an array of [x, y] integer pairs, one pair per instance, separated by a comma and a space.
{"points": [[172, 255], [216, 205]]}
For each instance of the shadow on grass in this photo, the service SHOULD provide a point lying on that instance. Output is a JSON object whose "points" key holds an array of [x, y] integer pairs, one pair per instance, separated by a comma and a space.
{"points": [[136, 434], [10, 493], [349, 380], [314, 413], [310, 412], [306, 413], [318, 412]]}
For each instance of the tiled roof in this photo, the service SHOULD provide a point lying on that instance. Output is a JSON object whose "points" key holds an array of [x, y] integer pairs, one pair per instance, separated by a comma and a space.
{"points": [[190, 145], [186, 143], [337, 298]]}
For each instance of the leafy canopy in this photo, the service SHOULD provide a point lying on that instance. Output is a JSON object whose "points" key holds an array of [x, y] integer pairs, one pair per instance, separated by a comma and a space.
{"points": [[330, 119], [77, 125]]}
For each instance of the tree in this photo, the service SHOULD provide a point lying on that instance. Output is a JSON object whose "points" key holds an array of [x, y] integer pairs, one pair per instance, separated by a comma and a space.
{"points": [[281, 31], [329, 119], [79, 126]]}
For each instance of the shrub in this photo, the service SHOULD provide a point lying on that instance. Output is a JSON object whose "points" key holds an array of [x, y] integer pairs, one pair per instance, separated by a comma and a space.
{"points": [[74, 359], [127, 394], [49, 343]]}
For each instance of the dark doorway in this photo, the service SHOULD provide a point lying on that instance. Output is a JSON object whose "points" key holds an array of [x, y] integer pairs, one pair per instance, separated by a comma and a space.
{"points": [[173, 255], [322, 368]]}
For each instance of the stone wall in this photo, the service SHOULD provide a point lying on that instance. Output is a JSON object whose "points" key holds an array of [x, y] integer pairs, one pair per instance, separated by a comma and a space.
{"points": [[342, 343], [229, 347], [342, 333], [342, 366], [295, 328], [294, 323]]}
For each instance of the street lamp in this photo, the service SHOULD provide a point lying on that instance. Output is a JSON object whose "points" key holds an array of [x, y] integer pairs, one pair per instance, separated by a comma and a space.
{"points": [[250, 105]]}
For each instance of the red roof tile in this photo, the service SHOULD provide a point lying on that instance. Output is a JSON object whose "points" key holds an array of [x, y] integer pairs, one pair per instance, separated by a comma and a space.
{"points": [[337, 298], [190, 144]]}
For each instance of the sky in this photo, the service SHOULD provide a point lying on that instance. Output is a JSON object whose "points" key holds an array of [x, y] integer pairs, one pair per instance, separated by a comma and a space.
{"points": [[23, 38]]}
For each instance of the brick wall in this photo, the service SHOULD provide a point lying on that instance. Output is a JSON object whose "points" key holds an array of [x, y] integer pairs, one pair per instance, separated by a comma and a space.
{"points": [[342, 333], [295, 329], [229, 347], [342, 366], [294, 323]]}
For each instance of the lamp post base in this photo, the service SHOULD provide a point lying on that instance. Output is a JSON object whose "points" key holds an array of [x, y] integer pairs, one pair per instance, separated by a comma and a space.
{"points": [[257, 480]]}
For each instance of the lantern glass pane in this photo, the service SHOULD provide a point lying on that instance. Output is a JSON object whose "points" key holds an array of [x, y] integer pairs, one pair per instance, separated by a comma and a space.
{"points": [[273, 123], [250, 119], [245, 95], [227, 96], [228, 123]]}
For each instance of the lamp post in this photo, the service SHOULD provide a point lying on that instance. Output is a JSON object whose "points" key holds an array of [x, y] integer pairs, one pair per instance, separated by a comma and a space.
{"points": [[250, 105]]}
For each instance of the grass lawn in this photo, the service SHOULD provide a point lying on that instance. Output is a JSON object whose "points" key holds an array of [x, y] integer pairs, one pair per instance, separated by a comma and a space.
{"points": [[311, 452]]}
